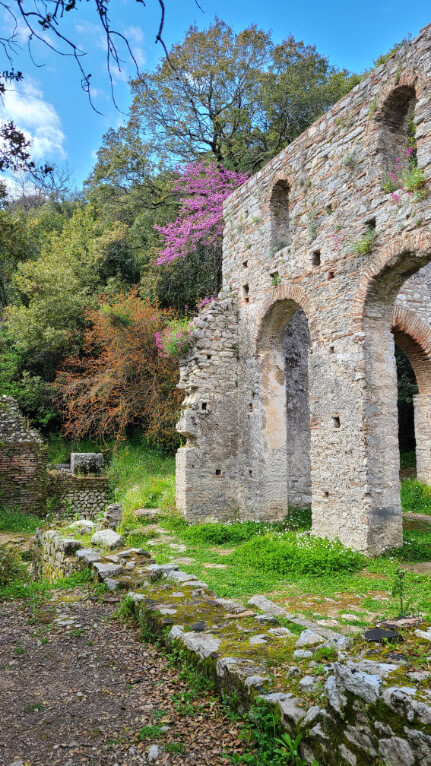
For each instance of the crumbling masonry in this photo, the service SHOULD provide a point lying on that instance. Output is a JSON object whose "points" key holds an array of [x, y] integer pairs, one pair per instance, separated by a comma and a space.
{"points": [[290, 388]]}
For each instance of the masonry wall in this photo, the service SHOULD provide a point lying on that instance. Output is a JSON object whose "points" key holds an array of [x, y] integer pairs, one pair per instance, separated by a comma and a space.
{"points": [[290, 243], [84, 495], [23, 460]]}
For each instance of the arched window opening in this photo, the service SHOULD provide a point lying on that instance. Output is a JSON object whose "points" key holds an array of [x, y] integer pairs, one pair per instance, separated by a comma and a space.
{"points": [[280, 235], [397, 134]]}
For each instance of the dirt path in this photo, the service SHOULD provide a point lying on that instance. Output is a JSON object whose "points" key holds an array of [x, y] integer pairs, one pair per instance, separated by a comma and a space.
{"points": [[76, 687]]}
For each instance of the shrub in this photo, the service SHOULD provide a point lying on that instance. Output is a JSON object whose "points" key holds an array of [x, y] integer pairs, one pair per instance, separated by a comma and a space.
{"points": [[121, 381], [175, 338], [301, 554], [11, 566]]}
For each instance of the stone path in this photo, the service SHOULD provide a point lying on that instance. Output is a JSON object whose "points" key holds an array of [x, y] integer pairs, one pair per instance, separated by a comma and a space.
{"points": [[77, 687]]}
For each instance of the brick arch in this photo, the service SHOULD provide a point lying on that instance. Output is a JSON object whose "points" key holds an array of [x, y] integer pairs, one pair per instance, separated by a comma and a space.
{"points": [[278, 298], [413, 337], [403, 257], [285, 177], [408, 79]]}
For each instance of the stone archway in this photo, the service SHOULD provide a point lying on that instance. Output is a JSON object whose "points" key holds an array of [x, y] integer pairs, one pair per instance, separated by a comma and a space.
{"points": [[413, 337], [282, 347]]}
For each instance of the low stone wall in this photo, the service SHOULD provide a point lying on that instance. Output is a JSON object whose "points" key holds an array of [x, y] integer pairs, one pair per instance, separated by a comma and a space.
{"points": [[23, 460], [83, 495], [54, 555], [364, 708]]}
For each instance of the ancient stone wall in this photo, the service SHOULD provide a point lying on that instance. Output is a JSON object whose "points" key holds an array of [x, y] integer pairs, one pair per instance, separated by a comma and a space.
{"points": [[295, 239], [83, 495], [23, 460]]}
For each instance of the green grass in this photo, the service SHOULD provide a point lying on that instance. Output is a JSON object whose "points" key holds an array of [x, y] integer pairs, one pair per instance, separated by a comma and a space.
{"points": [[142, 478], [15, 521], [415, 497], [61, 448], [40, 590]]}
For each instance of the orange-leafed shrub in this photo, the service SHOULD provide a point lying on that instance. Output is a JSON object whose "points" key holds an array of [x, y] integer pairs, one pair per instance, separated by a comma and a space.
{"points": [[120, 380]]}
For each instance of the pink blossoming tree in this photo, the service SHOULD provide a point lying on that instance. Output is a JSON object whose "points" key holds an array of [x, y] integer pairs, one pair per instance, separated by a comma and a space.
{"points": [[203, 189]]}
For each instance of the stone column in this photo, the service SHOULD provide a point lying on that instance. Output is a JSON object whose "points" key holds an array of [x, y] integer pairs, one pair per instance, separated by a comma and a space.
{"points": [[422, 407]]}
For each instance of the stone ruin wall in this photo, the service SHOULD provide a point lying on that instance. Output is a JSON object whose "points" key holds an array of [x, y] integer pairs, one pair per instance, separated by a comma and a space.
{"points": [[256, 438], [23, 461]]}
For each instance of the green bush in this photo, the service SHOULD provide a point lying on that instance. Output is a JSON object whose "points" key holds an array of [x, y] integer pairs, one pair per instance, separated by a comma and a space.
{"points": [[415, 496], [301, 554], [11, 566]]}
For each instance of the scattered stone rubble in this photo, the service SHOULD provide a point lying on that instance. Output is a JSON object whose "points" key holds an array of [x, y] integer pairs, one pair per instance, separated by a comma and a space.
{"points": [[356, 710]]}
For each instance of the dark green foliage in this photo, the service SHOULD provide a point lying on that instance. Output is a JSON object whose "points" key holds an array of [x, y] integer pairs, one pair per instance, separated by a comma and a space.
{"points": [[407, 389]]}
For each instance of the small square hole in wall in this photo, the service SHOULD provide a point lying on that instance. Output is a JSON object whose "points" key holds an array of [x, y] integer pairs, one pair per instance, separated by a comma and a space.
{"points": [[332, 349], [316, 258], [250, 472], [371, 223], [245, 264], [245, 293], [218, 472], [331, 274], [336, 421], [326, 493], [208, 356], [250, 407], [203, 406]]}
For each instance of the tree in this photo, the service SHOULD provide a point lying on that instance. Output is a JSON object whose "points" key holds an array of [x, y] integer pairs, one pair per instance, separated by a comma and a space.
{"points": [[199, 224], [236, 98], [120, 380], [55, 290]]}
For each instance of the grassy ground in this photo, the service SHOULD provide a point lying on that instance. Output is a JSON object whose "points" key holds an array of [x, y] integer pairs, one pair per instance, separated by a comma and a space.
{"points": [[316, 578]]}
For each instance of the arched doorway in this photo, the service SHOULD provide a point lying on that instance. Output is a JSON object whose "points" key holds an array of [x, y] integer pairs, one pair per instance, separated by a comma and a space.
{"points": [[413, 337], [283, 348]]}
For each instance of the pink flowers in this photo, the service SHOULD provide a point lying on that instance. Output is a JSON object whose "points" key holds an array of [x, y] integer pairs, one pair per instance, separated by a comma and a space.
{"points": [[205, 302], [200, 220], [175, 338]]}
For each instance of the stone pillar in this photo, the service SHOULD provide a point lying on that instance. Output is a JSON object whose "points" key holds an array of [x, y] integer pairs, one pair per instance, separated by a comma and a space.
{"points": [[422, 407], [296, 343], [382, 489]]}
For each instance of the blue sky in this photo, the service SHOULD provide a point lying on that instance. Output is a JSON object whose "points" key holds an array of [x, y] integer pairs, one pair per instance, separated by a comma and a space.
{"points": [[54, 112]]}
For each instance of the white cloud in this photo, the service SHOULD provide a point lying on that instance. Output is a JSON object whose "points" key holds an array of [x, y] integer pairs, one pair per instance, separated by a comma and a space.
{"points": [[135, 36], [24, 104]]}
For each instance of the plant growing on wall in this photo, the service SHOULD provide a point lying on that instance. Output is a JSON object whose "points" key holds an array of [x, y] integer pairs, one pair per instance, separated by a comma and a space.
{"points": [[364, 245], [406, 176]]}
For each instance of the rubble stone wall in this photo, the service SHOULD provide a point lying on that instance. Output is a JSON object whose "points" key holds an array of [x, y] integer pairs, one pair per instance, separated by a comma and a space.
{"points": [[83, 495], [294, 237], [23, 460]]}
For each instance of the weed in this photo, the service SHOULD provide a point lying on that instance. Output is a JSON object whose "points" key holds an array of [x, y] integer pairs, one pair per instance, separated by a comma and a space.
{"points": [[150, 732], [288, 749], [175, 747], [364, 245]]}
